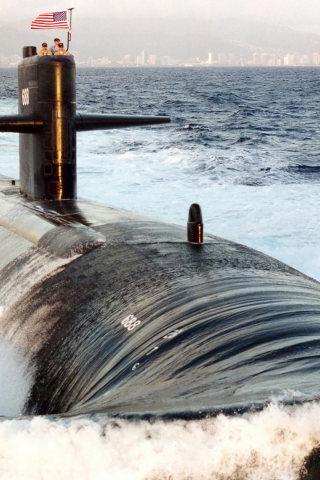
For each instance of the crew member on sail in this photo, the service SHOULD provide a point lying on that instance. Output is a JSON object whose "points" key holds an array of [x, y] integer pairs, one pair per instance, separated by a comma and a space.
{"points": [[62, 51], [44, 51]]}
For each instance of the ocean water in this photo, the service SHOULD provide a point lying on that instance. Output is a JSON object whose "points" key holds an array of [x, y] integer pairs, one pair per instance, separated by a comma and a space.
{"points": [[245, 145]]}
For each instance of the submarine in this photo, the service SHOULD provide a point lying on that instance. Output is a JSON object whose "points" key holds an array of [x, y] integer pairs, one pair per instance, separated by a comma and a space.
{"points": [[122, 314]]}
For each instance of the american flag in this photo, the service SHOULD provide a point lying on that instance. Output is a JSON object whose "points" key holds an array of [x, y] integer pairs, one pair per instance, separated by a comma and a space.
{"points": [[50, 20]]}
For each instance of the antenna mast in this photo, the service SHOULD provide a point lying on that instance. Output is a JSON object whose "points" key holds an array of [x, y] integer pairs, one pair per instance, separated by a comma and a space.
{"points": [[69, 32]]}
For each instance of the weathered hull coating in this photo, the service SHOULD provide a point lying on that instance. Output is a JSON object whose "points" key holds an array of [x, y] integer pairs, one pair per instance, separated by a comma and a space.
{"points": [[118, 313]]}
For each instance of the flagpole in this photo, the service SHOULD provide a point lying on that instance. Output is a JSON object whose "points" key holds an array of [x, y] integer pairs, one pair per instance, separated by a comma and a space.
{"points": [[69, 32]]}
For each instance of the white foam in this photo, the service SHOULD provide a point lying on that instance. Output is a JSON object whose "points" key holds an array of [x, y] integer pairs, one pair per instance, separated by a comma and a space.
{"points": [[15, 379], [269, 445]]}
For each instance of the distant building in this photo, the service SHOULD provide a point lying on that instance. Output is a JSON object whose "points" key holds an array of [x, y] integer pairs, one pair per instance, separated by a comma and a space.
{"points": [[305, 60], [103, 61], [256, 59], [316, 59], [222, 59], [142, 58], [167, 60], [152, 60], [91, 62], [127, 60], [288, 60]]}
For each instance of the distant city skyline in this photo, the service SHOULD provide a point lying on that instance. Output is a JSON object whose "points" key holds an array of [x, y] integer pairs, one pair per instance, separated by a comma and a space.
{"points": [[145, 59]]}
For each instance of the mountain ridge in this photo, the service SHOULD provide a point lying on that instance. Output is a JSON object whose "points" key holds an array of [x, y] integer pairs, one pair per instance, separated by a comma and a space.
{"points": [[181, 39]]}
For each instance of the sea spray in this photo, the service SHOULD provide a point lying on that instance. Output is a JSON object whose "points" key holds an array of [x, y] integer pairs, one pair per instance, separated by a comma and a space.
{"points": [[266, 445]]}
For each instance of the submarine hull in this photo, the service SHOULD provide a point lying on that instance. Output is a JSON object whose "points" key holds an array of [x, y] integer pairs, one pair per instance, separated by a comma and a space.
{"points": [[118, 313]]}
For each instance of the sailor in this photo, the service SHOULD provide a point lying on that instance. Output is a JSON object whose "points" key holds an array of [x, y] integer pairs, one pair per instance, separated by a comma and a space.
{"points": [[55, 47], [44, 50], [61, 51]]}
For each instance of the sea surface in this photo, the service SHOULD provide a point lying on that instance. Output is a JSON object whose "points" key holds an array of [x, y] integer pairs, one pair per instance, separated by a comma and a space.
{"points": [[244, 143]]}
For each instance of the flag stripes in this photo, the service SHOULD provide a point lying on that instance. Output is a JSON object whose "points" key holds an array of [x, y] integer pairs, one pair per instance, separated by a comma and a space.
{"points": [[50, 20]]}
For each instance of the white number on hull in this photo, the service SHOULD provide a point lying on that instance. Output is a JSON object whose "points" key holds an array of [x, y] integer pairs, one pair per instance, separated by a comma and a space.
{"points": [[25, 96], [130, 322]]}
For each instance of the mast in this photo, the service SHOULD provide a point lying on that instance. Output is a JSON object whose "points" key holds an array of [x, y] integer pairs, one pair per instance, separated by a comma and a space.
{"points": [[69, 32]]}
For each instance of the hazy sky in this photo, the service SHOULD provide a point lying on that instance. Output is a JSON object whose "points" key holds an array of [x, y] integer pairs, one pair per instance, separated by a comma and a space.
{"points": [[289, 12]]}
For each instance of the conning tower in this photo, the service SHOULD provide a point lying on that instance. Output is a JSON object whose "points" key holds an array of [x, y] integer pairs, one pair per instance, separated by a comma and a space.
{"points": [[48, 123]]}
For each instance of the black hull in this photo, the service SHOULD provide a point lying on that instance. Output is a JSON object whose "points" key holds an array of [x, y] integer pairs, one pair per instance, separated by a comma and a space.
{"points": [[118, 313]]}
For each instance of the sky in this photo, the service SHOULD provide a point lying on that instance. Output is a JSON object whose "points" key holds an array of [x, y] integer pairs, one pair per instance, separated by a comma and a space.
{"points": [[299, 13]]}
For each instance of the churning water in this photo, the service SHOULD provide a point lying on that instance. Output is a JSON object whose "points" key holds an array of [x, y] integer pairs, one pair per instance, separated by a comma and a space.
{"points": [[244, 143]]}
